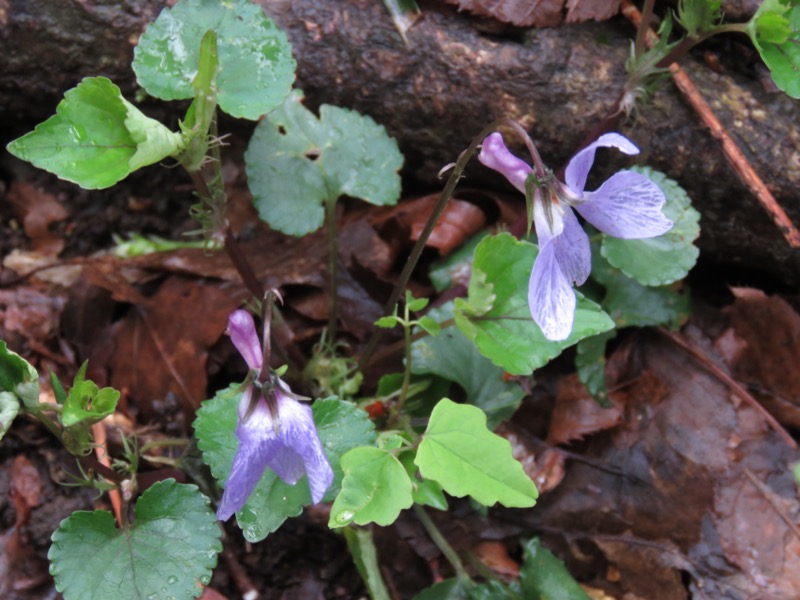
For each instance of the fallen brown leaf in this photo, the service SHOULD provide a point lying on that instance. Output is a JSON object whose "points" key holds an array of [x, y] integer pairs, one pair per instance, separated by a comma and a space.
{"points": [[577, 414], [38, 210]]}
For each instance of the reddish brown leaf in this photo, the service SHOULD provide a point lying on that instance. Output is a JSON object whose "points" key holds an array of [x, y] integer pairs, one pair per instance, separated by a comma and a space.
{"points": [[459, 221], [577, 414], [26, 488], [523, 13], [28, 312], [495, 556], [161, 346], [542, 463], [585, 10], [39, 210]]}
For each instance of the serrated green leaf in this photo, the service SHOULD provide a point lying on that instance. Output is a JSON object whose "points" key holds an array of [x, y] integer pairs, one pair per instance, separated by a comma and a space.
{"points": [[18, 377], [465, 458], [775, 31], [340, 425], [170, 548], [452, 356], [632, 304], [666, 258], [544, 576], [296, 162], [375, 489], [590, 362], [256, 68], [698, 16], [496, 316], [96, 138]]}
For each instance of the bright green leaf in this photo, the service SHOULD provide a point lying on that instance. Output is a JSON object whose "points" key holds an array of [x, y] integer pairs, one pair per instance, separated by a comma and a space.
{"points": [[375, 489], [544, 576], [296, 162], [387, 322], [415, 304], [451, 355], [340, 425], [775, 31], [461, 454], [668, 257], [431, 326], [256, 68], [96, 138], [18, 377], [170, 548], [496, 316], [86, 403]]}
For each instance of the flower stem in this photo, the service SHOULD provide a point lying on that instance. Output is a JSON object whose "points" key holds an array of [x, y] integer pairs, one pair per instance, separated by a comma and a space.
{"points": [[443, 545], [419, 246], [365, 555], [330, 217]]}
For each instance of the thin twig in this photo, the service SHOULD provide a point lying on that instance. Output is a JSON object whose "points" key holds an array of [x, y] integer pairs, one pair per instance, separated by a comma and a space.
{"points": [[765, 491], [440, 541], [733, 153], [732, 384]]}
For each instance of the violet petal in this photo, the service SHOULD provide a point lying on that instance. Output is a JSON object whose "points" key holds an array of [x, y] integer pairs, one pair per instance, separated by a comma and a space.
{"points": [[256, 437], [628, 205], [299, 433], [242, 330], [572, 250], [495, 155], [551, 298], [578, 168]]}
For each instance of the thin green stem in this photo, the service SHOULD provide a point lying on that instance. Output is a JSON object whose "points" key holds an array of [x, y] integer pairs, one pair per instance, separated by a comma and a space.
{"points": [[330, 217], [443, 545], [419, 246]]}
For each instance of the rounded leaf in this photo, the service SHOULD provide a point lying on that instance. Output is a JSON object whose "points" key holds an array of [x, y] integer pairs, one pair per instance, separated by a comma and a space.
{"points": [[168, 552], [256, 68]]}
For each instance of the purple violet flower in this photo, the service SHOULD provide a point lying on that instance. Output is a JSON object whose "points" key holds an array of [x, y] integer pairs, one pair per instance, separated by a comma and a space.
{"points": [[275, 431], [628, 205]]}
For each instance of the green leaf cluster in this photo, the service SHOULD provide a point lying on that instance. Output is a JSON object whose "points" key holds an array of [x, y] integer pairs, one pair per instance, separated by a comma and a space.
{"points": [[452, 356], [496, 318], [296, 162], [699, 16], [775, 31], [96, 138], [341, 426], [171, 546]]}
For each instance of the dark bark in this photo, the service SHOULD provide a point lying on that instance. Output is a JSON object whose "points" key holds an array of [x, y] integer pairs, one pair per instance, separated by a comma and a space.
{"points": [[454, 78]]}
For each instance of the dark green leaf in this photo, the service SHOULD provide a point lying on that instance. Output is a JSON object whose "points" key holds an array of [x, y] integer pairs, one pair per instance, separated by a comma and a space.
{"points": [[169, 550], [590, 361], [544, 576], [452, 356]]}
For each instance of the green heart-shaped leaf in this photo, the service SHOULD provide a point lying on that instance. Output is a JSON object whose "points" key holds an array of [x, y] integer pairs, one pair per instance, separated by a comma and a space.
{"points": [[168, 552]]}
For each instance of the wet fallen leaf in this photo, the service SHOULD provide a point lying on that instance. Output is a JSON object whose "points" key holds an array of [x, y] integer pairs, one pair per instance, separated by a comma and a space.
{"points": [[542, 463], [597, 10], [768, 329], [495, 556], [160, 348], [26, 488], [577, 414], [30, 313], [38, 210]]}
